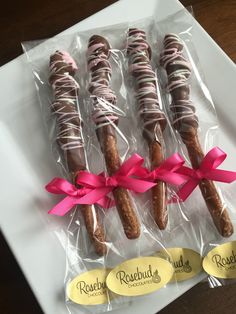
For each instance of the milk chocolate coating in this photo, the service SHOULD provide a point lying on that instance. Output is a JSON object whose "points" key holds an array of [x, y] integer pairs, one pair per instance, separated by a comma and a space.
{"points": [[139, 52], [186, 123], [105, 118], [69, 135], [153, 119]]}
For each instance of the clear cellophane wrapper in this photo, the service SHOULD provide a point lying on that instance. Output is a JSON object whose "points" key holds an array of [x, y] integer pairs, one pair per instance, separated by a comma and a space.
{"points": [[150, 241], [209, 236], [181, 230], [71, 230], [189, 225]]}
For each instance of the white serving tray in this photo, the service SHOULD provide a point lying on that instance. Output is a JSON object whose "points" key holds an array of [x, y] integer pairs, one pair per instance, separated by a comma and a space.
{"points": [[25, 167]]}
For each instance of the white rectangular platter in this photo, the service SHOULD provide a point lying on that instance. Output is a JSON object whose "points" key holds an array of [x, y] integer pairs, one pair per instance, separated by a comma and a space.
{"points": [[26, 167]]}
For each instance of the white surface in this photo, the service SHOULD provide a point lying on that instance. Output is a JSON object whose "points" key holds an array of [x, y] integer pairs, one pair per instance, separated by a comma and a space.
{"points": [[24, 169]]}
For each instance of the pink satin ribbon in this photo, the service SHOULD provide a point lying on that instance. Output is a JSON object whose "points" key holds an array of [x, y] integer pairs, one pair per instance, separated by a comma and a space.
{"points": [[207, 170], [96, 187], [166, 172], [73, 197]]}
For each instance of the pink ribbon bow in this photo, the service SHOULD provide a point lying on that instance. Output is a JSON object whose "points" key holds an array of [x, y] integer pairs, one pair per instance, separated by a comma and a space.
{"points": [[96, 187], [207, 170], [102, 185], [165, 172], [74, 196]]}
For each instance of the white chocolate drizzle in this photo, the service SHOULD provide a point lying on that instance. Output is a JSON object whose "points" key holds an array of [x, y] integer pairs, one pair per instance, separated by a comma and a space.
{"points": [[103, 97]]}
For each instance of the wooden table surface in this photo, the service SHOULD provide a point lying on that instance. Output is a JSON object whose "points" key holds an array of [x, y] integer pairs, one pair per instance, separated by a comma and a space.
{"points": [[28, 20]]}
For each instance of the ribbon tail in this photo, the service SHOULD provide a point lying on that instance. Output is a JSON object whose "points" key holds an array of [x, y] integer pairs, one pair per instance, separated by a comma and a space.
{"points": [[221, 175], [106, 202], [136, 185], [94, 196], [63, 206], [171, 178], [187, 189], [185, 171]]}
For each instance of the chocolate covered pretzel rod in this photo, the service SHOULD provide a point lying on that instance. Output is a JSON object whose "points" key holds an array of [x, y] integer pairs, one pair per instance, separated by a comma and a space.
{"points": [[105, 117], [154, 121], [185, 122], [69, 134]]}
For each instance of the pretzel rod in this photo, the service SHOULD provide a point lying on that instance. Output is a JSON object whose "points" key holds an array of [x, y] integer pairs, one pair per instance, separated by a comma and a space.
{"points": [[185, 122], [105, 117], [154, 121], [69, 134]]}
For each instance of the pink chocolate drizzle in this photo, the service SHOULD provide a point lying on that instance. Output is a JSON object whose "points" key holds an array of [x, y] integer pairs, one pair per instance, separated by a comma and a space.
{"points": [[103, 97], [178, 71], [65, 88], [140, 67]]}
